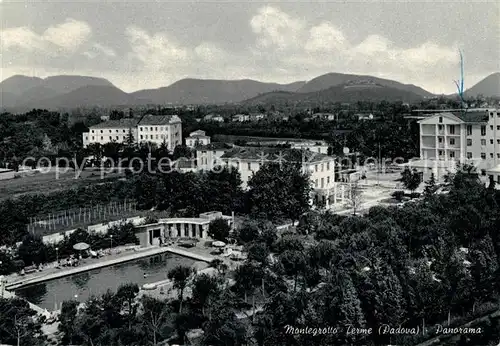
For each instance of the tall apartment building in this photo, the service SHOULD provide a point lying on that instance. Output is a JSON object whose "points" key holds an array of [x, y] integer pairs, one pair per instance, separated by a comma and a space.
{"points": [[150, 129], [321, 167], [471, 136]]}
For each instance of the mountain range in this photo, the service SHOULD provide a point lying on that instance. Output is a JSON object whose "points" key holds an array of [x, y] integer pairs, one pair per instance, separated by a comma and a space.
{"points": [[65, 91]]}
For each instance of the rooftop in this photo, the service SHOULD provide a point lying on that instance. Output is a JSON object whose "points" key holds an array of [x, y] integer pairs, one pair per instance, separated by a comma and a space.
{"points": [[214, 146], [472, 116], [159, 119], [116, 124], [266, 153]]}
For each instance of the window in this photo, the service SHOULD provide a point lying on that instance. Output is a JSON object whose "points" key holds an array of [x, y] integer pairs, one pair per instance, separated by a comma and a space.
{"points": [[322, 167], [101, 138], [483, 130], [483, 141], [469, 142], [249, 166], [117, 130], [116, 137], [440, 127], [440, 119], [452, 129], [156, 136], [327, 180], [315, 168], [92, 137], [469, 130], [92, 131], [86, 138], [452, 154], [491, 141], [491, 127], [110, 131], [328, 166], [322, 182], [162, 136], [483, 156], [491, 155], [440, 139], [156, 128], [140, 128], [101, 131], [440, 153], [151, 128], [142, 137], [469, 155], [452, 141], [316, 183]]}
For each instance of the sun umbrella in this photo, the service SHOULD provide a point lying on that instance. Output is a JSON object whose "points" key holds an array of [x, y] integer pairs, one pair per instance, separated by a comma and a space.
{"points": [[218, 244], [81, 246]]}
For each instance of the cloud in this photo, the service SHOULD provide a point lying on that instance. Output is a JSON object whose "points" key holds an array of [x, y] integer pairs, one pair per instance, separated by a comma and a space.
{"points": [[155, 52], [98, 49], [276, 29], [294, 46], [67, 36]]}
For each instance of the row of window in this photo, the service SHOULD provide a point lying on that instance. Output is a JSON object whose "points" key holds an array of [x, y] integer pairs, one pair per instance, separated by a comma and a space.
{"points": [[322, 182], [483, 142], [451, 129], [111, 131], [468, 155], [151, 128], [110, 138], [154, 137]]}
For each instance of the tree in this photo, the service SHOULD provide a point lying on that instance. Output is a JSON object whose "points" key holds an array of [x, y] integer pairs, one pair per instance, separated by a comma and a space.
{"points": [[411, 179], [67, 318], [430, 186], [219, 229], [18, 325], [205, 289], [180, 276], [32, 250], [279, 191], [156, 318], [355, 196]]}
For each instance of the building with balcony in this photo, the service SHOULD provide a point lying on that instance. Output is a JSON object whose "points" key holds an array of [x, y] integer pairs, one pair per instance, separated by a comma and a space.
{"points": [[465, 136], [197, 138], [321, 168]]}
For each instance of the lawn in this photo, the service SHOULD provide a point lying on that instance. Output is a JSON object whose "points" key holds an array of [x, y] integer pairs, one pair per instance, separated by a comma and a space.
{"points": [[50, 182]]}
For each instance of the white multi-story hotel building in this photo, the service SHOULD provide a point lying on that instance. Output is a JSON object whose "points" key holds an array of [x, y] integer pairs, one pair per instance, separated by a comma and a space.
{"points": [[150, 129], [321, 168], [160, 129], [468, 136], [111, 131]]}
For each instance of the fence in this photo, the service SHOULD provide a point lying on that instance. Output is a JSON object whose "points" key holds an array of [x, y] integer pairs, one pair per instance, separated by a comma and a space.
{"points": [[75, 217]]}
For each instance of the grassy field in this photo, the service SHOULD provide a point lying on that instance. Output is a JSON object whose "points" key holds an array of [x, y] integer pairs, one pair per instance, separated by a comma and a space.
{"points": [[50, 182]]}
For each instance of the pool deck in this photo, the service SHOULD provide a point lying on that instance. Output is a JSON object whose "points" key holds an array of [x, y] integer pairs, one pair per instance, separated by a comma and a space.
{"points": [[146, 252]]}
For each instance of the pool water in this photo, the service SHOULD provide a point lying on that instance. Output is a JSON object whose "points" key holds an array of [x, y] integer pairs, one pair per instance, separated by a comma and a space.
{"points": [[81, 286]]}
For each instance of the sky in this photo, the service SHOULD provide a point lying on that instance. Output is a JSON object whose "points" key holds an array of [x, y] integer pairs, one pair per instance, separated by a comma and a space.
{"points": [[150, 44]]}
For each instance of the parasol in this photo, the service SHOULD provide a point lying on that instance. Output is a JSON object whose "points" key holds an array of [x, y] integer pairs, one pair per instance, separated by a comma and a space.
{"points": [[81, 246], [218, 244]]}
